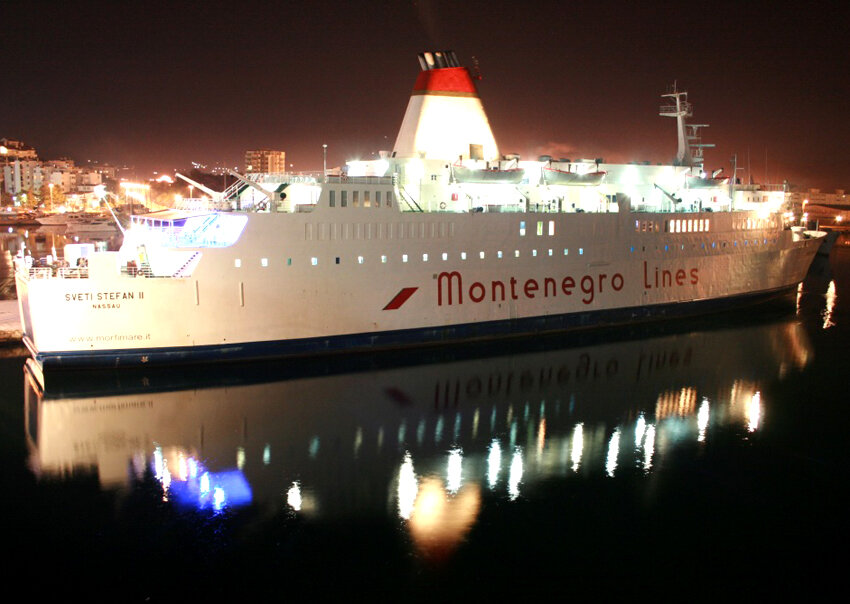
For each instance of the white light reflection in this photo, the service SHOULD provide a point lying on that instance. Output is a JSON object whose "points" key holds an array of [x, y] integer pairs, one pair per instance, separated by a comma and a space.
{"points": [[182, 467], [831, 298], [754, 412], [218, 498], [293, 496], [648, 447], [702, 420], [494, 463], [799, 296], [407, 487], [453, 471], [541, 437], [515, 476], [358, 440], [613, 452], [578, 445], [158, 462], [640, 426]]}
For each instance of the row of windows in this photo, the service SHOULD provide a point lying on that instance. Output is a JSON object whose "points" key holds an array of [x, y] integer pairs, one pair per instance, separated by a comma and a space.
{"points": [[378, 230], [368, 198], [700, 225], [686, 225], [444, 256], [754, 223], [550, 231], [425, 257]]}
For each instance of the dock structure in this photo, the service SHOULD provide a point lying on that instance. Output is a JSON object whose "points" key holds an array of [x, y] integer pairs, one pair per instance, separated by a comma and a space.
{"points": [[10, 322]]}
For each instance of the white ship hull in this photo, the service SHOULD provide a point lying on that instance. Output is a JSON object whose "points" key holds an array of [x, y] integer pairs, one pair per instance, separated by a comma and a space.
{"points": [[264, 295]]}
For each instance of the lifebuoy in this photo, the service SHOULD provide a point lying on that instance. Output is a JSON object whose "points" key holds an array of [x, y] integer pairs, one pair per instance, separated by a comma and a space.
{"points": [[442, 205]]}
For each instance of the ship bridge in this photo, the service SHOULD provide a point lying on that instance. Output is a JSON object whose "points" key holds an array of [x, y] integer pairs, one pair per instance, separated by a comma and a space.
{"points": [[178, 228]]}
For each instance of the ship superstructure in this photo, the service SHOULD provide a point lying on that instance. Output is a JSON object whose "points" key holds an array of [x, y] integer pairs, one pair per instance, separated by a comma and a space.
{"points": [[439, 240]]}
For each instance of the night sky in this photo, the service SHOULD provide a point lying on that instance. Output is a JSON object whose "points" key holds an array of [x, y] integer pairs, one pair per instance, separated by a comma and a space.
{"points": [[157, 85]]}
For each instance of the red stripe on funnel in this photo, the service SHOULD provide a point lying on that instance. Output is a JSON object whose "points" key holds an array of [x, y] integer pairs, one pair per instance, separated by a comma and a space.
{"points": [[400, 298], [448, 79]]}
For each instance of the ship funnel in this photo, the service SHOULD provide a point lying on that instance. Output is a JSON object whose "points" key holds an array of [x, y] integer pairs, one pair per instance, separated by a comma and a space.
{"points": [[445, 118]]}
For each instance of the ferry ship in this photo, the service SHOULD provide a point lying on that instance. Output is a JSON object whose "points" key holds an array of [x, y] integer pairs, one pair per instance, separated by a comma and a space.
{"points": [[440, 240]]}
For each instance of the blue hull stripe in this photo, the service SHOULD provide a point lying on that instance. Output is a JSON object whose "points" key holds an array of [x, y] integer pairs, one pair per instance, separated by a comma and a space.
{"points": [[394, 339]]}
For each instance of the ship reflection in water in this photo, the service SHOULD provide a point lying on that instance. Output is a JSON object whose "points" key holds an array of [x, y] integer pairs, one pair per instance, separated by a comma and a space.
{"points": [[428, 444]]}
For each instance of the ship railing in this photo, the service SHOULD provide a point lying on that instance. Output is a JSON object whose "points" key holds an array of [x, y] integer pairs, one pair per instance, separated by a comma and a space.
{"points": [[366, 180], [40, 272], [73, 272], [54, 272], [135, 271]]}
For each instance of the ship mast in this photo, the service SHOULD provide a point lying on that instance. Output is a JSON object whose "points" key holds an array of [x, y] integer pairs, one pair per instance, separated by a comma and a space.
{"points": [[690, 152]]}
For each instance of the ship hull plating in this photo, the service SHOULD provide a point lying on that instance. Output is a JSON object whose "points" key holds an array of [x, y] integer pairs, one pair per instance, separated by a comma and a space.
{"points": [[298, 284]]}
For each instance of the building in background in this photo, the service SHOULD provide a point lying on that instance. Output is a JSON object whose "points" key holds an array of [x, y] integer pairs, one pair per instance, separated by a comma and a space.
{"points": [[24, 174], [265, 161]]}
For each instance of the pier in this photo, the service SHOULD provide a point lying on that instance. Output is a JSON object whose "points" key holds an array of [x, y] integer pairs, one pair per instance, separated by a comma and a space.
{"points": [[10, 323]]}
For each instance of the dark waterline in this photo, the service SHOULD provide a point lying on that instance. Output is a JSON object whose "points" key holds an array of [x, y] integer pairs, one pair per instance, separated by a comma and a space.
{"points": [[690, 460]]}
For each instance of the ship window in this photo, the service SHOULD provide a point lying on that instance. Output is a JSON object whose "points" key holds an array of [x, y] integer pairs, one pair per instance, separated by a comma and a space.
{"points": [[498, 254], [237, 263], [522, 228], [481, 255], [445, 256], [289, 262], [332, 198], [337, 259], [404, 257], [264, 261], [580, 251], [539, 228], [433, 178], [424, 257], [389, 198], [632, 249], [314, 261], [383, 259], [637, 225], [566, 252], [550, 251], [355, 198], [343, 199], [551, 228], [367, 202], [377, 199], [463, 255], [516, 253], [359, 259], [534, 253]]}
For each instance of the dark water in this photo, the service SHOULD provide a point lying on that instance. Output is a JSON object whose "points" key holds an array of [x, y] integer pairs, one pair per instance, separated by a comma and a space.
{"points": [[686, 461]]}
